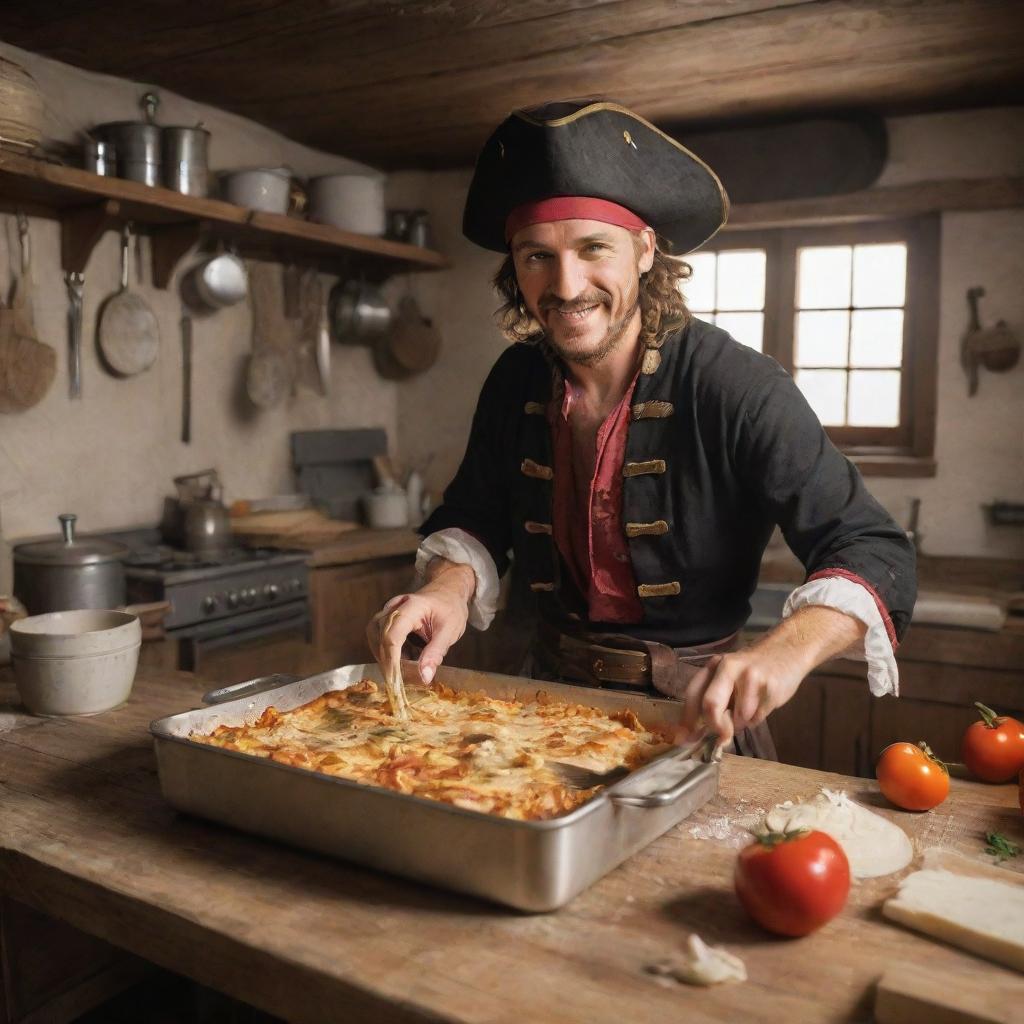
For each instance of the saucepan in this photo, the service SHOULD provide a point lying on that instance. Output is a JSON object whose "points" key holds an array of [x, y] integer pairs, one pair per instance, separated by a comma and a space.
{"points": [[358, 313], [215, 283]]}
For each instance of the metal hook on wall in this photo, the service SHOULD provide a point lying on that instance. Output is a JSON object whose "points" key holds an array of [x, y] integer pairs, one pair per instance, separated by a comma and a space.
{"points": [[23, 238]]}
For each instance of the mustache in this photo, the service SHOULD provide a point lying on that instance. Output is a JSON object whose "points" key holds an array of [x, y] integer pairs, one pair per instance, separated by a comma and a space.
{"points": [[582, 302]]}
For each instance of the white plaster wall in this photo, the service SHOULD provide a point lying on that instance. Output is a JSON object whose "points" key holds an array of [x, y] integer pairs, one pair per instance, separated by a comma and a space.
{"points": [[110, 457], [980, 441]]}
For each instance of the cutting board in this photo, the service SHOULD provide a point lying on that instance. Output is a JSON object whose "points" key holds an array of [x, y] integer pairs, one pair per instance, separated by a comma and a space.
{"points": [[912, 994], [303, 529]]}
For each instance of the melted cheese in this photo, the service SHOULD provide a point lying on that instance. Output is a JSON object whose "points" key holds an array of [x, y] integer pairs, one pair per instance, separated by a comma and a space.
{"points": [[466, 749]]}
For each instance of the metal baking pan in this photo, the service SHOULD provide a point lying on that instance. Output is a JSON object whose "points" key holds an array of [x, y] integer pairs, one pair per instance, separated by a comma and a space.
{"points": [[529, 865]]}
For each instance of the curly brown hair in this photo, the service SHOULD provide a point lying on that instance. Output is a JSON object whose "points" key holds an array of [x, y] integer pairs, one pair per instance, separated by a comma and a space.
{"points": [[662, 306]]}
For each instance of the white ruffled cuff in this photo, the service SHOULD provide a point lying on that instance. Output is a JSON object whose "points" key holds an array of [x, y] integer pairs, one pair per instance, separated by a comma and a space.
{"points": [[464, 549], [875, 647]]}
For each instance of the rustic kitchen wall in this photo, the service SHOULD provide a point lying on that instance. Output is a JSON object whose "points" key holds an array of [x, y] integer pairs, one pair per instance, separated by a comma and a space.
{"points": [[980, 440], [110, 457]]}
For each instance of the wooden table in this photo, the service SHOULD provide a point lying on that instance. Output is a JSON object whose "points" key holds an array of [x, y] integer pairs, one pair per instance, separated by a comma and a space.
{"points": [[86, 837]]}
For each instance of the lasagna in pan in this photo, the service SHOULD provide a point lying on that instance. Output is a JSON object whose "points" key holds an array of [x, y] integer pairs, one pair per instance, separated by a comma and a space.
{"points": [[468, 749]]}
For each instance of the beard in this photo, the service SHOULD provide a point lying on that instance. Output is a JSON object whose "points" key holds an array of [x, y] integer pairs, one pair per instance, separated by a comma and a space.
{"points": [[613, 336]]}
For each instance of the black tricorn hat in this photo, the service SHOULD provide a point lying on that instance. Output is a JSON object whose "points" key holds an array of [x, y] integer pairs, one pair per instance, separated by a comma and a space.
{"points": [[597, 149]]}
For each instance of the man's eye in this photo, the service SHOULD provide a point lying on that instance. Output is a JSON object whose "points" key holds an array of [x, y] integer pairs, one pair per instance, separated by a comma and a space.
{"points": [[596, 247], [535, 257]]}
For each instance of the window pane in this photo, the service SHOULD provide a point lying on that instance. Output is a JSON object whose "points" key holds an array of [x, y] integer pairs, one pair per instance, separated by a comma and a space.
{"points": [[875, 398], [700, 288], [741, 279], [877, 337], [879, 275], [821, 338], [823, 277], [746, 328], [825, 390]]}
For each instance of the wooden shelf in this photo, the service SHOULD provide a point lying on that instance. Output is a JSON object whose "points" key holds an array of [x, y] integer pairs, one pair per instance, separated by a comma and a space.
{"points": [[88, 205]]}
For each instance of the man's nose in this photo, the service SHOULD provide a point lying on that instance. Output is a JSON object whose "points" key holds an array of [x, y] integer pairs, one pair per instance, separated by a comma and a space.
{"points": [[570, 278]]}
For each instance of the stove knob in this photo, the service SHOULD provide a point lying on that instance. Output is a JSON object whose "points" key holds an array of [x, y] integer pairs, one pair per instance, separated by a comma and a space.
{"points": [[295, 585], [270, 591], [232, 598], [209, 605], [249, 595]]}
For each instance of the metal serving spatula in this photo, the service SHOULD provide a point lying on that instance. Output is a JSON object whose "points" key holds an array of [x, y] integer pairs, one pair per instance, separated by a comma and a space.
{"points": [[576, 777]]}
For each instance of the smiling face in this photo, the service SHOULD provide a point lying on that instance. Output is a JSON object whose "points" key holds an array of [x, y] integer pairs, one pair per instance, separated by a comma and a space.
{"points": [[580, 280]]}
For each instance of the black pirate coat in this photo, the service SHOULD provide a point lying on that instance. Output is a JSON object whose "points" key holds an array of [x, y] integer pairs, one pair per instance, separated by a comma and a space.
{"points": [[722, 446]]}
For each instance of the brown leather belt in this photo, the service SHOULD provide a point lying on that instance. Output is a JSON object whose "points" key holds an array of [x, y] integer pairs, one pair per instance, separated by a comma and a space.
{"points": [[612, 659], [623, 662]]}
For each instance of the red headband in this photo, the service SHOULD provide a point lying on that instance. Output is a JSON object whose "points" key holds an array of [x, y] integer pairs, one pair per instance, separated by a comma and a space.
{"points": [[570, 208]]}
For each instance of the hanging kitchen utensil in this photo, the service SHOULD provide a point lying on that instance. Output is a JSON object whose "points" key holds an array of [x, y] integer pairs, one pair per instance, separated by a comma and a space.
{"points": [[359, 313], [76, 287], [314, 364], [995, 348], [186, 377], [271, 370], [128, 335], [414, 341], [27, 366], [216, 282]]}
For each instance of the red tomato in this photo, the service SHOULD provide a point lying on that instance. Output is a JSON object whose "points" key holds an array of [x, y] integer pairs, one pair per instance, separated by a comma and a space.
{"points": [[993, 749], [792, 883], [912, 777], [1020, 790]]}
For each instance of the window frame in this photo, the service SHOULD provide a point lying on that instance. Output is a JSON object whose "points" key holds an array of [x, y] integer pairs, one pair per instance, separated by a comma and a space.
{"points": [[906, 450]]}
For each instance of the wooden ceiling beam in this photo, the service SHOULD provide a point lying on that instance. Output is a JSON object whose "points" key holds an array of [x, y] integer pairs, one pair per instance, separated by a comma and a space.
{"points": [[407, 84]]}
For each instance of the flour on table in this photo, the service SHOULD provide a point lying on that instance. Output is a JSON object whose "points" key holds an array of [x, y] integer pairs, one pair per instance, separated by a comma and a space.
{"points": [[733, 831], [873, 845], [701, 964]]}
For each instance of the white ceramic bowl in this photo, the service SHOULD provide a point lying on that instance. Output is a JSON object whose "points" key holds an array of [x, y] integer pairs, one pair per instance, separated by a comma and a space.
{"points": [[354, 202], [264, 188], [75, 662]]}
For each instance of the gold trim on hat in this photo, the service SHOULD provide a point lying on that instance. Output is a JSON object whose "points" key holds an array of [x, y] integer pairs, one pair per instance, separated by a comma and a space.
{"points": [[531, 527], [593, 108], [658, 589], [534, 409], [545, 587]]}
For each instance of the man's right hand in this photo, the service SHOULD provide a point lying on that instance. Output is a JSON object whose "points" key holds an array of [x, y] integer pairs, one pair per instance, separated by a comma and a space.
{"points": [[438, 612]]}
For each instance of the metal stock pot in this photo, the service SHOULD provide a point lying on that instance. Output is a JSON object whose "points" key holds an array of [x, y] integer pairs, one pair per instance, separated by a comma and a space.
{"points": [[68, 572]]}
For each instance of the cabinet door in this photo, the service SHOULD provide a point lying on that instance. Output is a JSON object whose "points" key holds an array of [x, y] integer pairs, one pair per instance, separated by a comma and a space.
{"points": [[825, 725], [287, 651], [344, 598]]}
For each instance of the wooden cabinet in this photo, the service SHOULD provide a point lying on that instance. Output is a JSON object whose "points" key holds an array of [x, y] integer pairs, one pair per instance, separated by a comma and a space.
{"points": [[343, 599], [833, 723]]}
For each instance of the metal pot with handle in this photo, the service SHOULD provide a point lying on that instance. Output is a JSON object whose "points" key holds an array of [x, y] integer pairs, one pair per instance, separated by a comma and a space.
{"points": [[69, 572], [203, 521]]}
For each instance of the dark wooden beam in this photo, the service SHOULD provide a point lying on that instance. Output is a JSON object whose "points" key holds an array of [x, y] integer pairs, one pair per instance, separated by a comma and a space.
{"points": [[417, 84]]}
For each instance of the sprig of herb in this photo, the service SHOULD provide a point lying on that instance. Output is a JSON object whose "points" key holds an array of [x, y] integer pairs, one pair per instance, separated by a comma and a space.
{"points": [[1000, 847]]}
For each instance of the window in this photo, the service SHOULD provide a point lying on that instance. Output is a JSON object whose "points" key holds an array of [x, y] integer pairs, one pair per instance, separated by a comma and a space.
{"points": [[851, 312]]}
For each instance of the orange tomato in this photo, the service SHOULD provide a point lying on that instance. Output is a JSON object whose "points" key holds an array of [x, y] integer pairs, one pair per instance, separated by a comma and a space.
{"points": [[993, 749], [912, 777]]}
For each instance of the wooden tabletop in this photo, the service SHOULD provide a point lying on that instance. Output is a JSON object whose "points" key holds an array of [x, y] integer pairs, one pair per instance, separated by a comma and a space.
{"points": [[85, 836]]}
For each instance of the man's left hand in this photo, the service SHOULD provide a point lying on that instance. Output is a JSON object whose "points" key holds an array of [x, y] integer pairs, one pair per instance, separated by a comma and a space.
{"points": [[733, 692]]}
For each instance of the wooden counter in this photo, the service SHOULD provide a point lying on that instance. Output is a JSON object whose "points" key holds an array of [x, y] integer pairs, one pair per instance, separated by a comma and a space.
{"points": [[85, 836]]}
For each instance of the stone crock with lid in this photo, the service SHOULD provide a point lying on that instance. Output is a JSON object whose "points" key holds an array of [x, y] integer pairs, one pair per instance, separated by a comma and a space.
{"points": [[69, 572]]}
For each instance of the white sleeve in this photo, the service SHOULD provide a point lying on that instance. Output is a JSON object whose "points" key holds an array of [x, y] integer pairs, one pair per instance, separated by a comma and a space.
{"points": [[875, 647], [464, 549]]}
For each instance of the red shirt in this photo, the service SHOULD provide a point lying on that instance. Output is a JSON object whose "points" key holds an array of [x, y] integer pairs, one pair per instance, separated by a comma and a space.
{"points": [[587, 515]]}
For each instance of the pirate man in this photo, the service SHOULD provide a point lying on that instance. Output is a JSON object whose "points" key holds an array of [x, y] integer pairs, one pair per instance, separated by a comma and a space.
{"points": [[635, 459]]}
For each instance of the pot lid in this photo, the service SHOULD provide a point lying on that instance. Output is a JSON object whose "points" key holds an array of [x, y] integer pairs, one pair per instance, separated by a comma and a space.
{"points": [[69, 549]]}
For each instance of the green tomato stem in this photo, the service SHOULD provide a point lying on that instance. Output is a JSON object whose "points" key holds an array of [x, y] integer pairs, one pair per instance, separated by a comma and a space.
{"points": [[988, 716]]}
